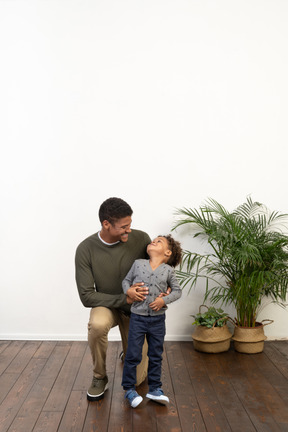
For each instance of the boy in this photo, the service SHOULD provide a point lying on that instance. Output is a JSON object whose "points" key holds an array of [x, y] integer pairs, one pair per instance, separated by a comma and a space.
{"points": [[148, 316]]}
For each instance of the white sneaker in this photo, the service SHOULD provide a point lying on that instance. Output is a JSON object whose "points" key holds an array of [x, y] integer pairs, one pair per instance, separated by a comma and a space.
{"points": [[133, 397], [158, 396]]}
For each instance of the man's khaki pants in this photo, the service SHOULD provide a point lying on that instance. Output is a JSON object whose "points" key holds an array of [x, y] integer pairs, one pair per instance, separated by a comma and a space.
{"points": [[101, 321]]}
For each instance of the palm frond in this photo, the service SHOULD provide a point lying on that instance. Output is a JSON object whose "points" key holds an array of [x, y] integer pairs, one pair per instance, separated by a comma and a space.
{"points": [[249, 259]]}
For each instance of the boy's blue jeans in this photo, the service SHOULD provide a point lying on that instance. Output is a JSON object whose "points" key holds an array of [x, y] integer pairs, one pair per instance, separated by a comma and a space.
{"points": [[153, 327]]}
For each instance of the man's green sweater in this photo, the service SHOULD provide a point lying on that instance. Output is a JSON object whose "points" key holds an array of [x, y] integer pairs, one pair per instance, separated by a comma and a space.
{"points": [[100, 269]]}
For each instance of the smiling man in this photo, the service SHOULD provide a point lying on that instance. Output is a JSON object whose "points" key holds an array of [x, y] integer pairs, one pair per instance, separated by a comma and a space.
{"points": [[102, 262]]}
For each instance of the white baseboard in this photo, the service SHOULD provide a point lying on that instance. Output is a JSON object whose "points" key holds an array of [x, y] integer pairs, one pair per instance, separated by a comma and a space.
{"points": [[44, 337], [77, 337], [83, 337]]}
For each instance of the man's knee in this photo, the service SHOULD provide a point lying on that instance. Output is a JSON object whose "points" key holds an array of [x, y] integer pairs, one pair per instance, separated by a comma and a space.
{"points": [[101, 322], [98, 329]]}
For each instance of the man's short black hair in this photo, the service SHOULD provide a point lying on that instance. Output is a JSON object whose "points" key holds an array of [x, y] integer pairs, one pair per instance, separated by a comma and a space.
{"points": [[113, 209]]}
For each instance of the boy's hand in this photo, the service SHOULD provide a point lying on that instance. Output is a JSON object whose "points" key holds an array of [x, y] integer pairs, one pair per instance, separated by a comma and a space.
{"points": [[157, 304], [137, 292]]}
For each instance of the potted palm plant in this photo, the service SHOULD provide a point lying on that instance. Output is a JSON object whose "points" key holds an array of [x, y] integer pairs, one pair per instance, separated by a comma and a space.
{"points": [[247, 261], [211, 334]]}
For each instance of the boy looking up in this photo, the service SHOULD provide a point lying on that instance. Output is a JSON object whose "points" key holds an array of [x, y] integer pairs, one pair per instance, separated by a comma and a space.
{"points": [[148, 316]]}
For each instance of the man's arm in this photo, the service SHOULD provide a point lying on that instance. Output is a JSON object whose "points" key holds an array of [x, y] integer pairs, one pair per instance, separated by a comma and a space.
{"points": [[86, 288]]}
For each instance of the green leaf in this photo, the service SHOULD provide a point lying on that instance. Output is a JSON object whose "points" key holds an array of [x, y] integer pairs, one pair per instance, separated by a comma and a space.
{"points": [[249, 258]]}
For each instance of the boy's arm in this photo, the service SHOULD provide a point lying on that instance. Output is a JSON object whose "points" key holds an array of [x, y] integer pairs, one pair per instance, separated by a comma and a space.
{"points": [[176, 290], [174, 294], [136, 291], [127, 281]]}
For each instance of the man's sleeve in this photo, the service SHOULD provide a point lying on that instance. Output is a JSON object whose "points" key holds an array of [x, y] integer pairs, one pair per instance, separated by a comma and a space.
{"points": [[86, 288]]}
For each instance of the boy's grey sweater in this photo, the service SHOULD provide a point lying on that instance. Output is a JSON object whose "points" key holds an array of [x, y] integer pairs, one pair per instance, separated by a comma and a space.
{"points": [[157, 281]]}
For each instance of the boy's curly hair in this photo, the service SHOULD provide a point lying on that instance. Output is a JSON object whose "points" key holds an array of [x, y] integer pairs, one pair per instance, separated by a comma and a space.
{"points": [[175, 247]]}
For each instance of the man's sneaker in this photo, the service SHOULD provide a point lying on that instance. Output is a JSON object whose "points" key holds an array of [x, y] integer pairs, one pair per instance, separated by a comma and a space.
{"points": [[97, 389], [158, 396], [133, 397]]}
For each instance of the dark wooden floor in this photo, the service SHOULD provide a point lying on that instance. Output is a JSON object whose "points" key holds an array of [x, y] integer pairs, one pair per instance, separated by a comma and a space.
{"points": [[43, 388]]}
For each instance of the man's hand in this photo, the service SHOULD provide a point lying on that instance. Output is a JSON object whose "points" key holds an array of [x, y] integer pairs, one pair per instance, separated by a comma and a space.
{"points": [[162, 294], [137, 292], [129, 300], [157, 304]]}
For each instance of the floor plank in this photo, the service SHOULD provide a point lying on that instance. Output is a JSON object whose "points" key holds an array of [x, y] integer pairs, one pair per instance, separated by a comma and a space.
{"points": [[97, 417], [211, 409], [233, 409], [8, 354], [18, 393], [33, 405], [75, 412], [63, 385], [188, 408], [250, 397], [43, 388]]}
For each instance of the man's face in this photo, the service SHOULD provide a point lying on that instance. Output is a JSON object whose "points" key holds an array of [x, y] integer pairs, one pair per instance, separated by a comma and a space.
{"points": [[120, 229]]}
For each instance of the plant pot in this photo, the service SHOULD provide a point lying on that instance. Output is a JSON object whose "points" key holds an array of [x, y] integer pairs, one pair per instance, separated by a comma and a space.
{"points": [[250, 340], [211, 340]]}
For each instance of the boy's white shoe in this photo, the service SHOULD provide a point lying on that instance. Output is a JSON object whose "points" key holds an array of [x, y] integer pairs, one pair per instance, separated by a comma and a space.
{"points": [[133, 397], [158, 396]]}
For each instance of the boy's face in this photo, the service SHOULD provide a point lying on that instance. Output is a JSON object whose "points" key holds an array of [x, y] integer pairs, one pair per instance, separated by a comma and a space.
{"points": [[160, 246]]}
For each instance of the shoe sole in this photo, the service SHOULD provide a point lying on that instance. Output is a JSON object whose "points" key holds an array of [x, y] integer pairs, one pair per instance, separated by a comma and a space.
{"points": [[136, 401], [91, 398], [158, 399]]}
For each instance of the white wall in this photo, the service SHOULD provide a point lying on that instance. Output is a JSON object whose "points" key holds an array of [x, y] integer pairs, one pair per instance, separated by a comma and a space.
{"points": [[161, 102]]}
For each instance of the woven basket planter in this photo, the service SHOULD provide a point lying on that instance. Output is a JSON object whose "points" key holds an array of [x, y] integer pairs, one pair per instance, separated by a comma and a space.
{"points": [[250, 340], [212, 340]]}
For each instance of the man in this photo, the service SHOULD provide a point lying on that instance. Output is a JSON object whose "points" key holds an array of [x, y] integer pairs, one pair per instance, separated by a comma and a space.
{"points": [[102, 262]]}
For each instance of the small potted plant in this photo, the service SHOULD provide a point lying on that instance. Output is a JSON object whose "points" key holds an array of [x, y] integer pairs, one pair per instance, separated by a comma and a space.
{"points": [[247, 263], [211, 334]]}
